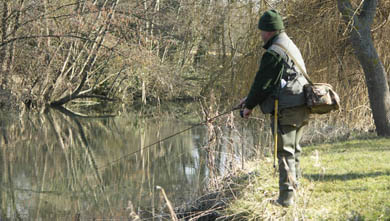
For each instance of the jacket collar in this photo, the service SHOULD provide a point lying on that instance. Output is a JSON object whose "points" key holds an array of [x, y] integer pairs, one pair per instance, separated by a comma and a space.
{"points": [[271, 41]]}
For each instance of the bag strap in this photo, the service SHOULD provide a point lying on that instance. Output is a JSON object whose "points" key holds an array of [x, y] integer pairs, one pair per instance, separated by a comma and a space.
{"points": [[295, 62]]}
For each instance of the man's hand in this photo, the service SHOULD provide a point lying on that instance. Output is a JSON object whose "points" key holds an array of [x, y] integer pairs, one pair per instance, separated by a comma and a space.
{"points": [[241, 104], [247, 112], [244, 112]]}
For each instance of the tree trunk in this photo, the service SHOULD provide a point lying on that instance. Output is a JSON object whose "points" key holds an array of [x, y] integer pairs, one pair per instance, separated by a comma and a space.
{"points": [[360, 20]]}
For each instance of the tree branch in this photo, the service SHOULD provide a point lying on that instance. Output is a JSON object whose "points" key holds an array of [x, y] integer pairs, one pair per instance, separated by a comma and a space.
{"points": [[346, 10], [349, 15], [89, 62], [71, 113], [95, 96], [42, 36], [368, 12]]}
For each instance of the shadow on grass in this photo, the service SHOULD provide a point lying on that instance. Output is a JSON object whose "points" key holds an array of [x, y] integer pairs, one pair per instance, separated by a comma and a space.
{"points": [[345, 177], [356, 216], [341, 148]]}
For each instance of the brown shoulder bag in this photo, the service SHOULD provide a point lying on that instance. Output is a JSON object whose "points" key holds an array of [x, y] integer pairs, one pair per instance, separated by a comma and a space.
{"points": [[320, 97]]}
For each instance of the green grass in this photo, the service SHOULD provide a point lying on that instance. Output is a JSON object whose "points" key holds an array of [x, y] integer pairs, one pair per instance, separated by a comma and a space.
{"points": [[341, 181]]}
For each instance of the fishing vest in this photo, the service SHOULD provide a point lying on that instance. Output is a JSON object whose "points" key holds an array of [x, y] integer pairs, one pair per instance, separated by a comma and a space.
{"points": [[290, 91]]}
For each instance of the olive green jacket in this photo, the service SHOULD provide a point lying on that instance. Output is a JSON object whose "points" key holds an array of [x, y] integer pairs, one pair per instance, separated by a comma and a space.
{"points": [[267, 78], [276, 65]]}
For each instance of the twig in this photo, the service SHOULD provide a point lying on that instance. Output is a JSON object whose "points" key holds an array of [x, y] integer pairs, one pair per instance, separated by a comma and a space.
{"points": [[171, 211], [351, 20]]}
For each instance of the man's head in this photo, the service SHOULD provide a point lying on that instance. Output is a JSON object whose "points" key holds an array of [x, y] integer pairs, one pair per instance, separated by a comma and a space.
{"points": [[270, 23]]}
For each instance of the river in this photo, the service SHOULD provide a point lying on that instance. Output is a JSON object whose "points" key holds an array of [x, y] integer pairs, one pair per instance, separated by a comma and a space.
{"points": [[56, 166]]}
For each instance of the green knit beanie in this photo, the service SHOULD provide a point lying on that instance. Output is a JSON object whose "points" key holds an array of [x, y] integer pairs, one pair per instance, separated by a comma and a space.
{"points": [[271, 21]]}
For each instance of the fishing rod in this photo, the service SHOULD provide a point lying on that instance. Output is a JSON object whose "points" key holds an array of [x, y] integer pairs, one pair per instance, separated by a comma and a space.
{"points": [[172, 135]]}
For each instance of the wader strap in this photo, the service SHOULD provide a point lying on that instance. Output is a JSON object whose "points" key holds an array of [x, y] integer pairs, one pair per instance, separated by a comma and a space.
{"points": [[295, 62]]}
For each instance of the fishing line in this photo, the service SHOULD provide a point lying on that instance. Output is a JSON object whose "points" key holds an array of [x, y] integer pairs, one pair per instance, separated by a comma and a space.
{"points": [[121, 158], [166, 138]]}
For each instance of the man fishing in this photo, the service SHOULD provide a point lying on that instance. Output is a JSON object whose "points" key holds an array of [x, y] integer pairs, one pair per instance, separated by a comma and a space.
{"points": [[278, 89]]}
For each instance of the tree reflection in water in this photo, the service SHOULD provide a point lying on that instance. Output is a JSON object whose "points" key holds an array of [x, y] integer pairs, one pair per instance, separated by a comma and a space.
{"points": [[58, 166]]}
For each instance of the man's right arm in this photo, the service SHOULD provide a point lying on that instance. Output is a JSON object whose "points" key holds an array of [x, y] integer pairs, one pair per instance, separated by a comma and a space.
{"points": [[267, 77]]}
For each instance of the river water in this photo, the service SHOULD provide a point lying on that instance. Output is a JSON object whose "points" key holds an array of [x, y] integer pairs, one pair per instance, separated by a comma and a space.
{"points": [[56, 166]]}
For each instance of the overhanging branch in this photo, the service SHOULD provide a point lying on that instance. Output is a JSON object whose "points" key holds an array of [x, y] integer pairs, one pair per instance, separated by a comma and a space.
{"points": [[41, 36], [368, 12]]}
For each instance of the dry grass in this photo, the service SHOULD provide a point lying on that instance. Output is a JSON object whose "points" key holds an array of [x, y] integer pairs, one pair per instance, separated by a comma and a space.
{"points": [[318, 30], [342, 181]]}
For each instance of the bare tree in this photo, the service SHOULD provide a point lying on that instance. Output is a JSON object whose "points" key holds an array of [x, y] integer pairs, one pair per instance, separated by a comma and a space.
{"points": [[10, 23], [360, 20]]}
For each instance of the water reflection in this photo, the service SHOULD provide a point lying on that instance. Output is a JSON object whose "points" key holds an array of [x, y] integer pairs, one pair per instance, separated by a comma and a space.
{"points": [[55, 166]]}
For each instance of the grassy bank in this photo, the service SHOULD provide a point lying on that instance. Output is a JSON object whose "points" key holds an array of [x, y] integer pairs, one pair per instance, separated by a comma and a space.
{"points": [[341, 181]]}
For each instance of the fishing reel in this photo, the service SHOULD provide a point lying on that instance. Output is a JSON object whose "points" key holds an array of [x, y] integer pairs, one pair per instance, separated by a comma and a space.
{"points": [[241, 107], [242, 113]]}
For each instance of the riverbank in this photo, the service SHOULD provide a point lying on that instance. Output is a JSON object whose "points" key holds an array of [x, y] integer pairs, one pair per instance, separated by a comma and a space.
{"points": [[347, 180]]}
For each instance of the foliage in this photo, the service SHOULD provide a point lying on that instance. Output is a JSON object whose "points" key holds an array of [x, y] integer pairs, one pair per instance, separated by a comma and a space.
{"points": [[318, 30], [53, 52]]}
